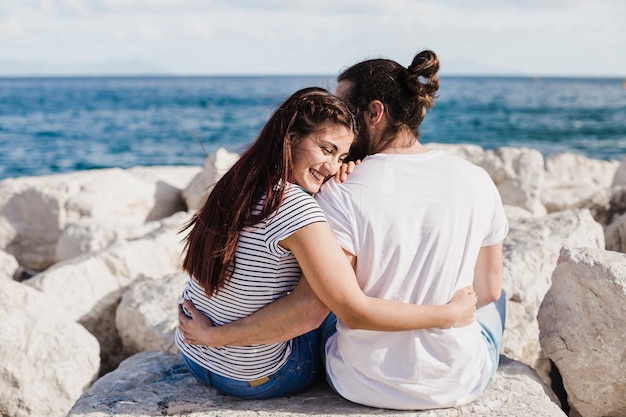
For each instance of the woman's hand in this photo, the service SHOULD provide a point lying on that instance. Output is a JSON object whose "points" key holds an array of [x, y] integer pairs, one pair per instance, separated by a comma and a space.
{"points": [[463, 306], [346, 169], [197, 329]]}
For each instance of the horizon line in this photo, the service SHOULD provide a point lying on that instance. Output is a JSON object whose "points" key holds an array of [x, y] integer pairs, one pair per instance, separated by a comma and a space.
{"points": [[294, 75]]}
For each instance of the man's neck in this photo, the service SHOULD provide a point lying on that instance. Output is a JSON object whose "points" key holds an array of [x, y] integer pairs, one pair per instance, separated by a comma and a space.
{"points": [[405, 143]]}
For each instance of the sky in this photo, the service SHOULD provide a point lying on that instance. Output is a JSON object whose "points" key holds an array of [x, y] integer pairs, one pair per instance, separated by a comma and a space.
{"points": [[568, 38]]}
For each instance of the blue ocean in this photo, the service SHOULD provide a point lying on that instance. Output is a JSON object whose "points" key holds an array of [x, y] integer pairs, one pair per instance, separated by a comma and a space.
{"points": [[55, 125]]}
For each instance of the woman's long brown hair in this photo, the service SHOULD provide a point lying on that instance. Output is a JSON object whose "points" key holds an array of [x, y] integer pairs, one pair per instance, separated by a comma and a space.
{"points": [[261, 171]]}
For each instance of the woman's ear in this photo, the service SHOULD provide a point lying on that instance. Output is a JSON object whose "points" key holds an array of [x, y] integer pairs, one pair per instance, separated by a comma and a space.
{"points": [[376, 112]]}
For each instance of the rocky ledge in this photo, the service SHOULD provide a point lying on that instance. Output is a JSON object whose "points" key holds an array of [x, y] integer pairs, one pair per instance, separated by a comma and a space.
{"points": [[90, 274], [158, 384]]}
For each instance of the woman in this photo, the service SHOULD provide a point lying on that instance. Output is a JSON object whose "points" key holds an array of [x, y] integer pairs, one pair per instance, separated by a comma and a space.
{"points": [[258, 227]]}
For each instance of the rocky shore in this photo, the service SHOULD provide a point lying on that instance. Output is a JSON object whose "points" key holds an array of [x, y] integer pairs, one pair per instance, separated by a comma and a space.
{"points": [[90, 275]]}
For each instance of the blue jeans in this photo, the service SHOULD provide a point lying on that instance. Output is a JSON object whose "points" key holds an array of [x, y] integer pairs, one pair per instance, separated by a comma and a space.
{"points": [[491, 319], [303, 368]]}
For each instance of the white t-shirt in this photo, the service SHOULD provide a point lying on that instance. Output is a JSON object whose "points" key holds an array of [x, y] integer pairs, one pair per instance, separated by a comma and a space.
{"points": [[416, 224], [264, 272]]}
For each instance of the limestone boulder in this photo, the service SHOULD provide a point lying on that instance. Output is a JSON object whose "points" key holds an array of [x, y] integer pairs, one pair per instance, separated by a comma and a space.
{"points": [[157, 383], [582, 321], [169, 183], [517, 172], [519, 175], [514, 213], [58, 200], [615, 235], [619, 179], [147, 316], [21, 201], [215, 166], [8, 265], [531, 251], [89, 287], [473, 153], [571, 178], [607, 205], [89, 235], [46, 359]]}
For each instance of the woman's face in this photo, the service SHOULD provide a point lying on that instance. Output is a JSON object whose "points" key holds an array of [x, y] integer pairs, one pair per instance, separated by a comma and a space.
{"points": [[319, 155]]}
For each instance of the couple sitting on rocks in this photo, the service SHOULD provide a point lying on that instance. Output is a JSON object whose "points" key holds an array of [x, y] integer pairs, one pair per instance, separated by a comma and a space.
{"points": [[406, 253]]}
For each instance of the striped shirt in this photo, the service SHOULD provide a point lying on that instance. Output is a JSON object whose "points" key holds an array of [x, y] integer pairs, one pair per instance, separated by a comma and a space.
{"points": [[264, 272]]}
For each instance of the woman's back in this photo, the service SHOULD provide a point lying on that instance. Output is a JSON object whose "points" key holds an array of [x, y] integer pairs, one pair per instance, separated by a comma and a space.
{"points": [[264, 272]]}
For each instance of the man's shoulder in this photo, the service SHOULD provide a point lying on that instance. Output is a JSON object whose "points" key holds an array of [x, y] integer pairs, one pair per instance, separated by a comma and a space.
{"points": [[462, 164]]}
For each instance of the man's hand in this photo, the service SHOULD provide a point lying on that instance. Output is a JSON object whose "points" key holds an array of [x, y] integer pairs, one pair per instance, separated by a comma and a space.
{"points": [[197, 329], [463, 304]]}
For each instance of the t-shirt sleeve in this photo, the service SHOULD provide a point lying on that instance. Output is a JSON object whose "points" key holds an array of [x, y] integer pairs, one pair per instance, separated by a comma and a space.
{"points": [[338, 210], [499, 226], [299, 209]]}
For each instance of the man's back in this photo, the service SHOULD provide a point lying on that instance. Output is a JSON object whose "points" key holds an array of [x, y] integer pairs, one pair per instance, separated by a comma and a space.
{"points": [[416, 223]]}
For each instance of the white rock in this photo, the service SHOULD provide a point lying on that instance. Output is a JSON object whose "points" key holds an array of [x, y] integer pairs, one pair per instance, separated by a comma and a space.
{"points": [[8, 265], [514, 213], [571, 178], [615, 235], [35, 210], [517, 172], [89, 287], [147, 316], [582, 321], [85, 236], [81, 283], [519, 175], [531, 251], [620, 174], [606, 205], [7, 232], [215, 166], [473, 153], [170, 181], [46, 360], [157, 383], [32, 215], [89, 235]]}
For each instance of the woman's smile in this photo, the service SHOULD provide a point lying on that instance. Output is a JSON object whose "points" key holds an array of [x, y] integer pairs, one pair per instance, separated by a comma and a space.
{"points": [[319, 155]]}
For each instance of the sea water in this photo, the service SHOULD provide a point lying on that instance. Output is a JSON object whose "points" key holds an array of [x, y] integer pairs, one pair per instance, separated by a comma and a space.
{"points": [[54, 125]]}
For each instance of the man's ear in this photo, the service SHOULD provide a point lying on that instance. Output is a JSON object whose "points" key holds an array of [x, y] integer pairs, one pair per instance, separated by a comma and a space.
{"points": [[376, 112]]}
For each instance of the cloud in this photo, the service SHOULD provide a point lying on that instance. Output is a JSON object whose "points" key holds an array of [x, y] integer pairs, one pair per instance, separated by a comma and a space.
{"points": [[198, 29], [136, 6], [58, 7], [186, 6], [11, 27], [298, 36], [149, 32]]}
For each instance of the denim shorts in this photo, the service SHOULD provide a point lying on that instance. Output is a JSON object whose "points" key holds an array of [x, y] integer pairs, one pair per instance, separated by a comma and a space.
{"points": [[491, 319], [303, 369]]}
